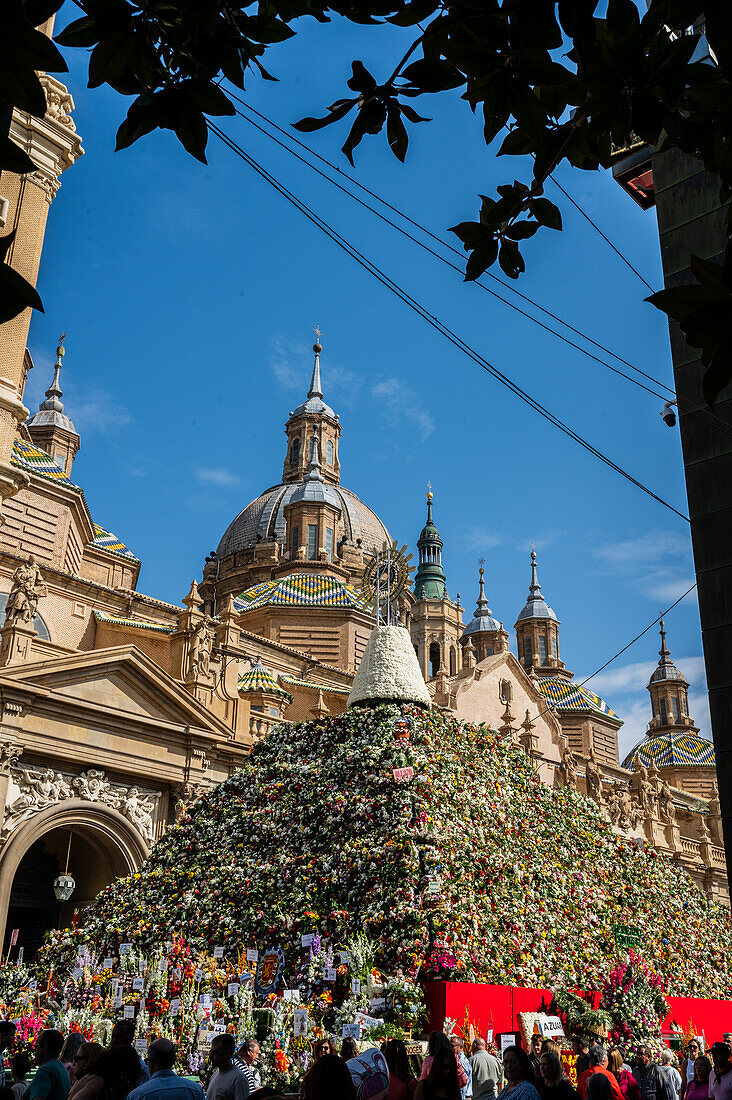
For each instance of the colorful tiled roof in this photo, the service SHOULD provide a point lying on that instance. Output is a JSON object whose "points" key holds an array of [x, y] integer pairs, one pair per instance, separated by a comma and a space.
{"points": [[26, 456], [564, 695], [259, 679], [105, 540], [115, 620], [316, 687], [302, 590], [668, 749]]}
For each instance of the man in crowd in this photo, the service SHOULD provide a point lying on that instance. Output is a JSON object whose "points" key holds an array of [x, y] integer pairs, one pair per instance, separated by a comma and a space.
{"points": [[122, 1035], [727, 1038], [580, 1046], [227, 1081], [487, 1075], [458, 1047], [245, 1059], [651, 1082], [164, 1084], [7, 1034], [720, 1081], [51, 1080], [598, 1064]]}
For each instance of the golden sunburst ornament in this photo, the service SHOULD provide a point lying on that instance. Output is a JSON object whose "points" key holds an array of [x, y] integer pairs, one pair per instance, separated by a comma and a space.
{"points": [[386, 576]]}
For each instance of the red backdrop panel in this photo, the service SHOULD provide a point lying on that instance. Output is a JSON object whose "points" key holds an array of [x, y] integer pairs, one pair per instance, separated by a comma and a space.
{"points": [[497, 1006]]}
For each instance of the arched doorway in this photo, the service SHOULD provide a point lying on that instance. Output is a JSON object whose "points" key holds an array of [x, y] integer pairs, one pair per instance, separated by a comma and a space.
{"points": [[103, 847], [435, 658]]}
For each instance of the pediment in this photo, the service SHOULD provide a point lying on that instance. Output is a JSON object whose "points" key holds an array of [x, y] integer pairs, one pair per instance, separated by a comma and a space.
{"points": [[121, 680]]}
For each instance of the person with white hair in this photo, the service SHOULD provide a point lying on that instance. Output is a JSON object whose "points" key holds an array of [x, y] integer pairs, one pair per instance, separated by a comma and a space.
{"points": [[669, 1069]]}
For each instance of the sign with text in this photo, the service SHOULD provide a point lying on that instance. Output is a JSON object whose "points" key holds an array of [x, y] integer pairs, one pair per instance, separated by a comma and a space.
{"points": [[232, 989], [270, 968], [252, 954], [307, 939], [138, 985], [508, 1039], [218, 952], [351, 1031], [355, 985], [330, 974], [402, 774], [300, 1022], [549, 1027], [14, 937], [125, 948]]}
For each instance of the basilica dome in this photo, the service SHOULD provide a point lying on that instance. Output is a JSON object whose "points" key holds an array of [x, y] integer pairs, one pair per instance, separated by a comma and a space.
{"points": [[264, 519]]}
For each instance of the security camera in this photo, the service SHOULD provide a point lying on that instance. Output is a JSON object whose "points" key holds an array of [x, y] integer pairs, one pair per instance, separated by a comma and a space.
{"points": [[668, 414]]}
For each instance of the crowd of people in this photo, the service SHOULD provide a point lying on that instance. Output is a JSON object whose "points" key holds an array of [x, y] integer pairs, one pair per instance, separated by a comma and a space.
{"points": [[72, 1068]]}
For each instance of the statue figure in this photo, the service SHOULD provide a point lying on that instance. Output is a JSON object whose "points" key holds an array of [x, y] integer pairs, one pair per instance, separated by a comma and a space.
{"points": [[93, 786], [613, 806], [201, 646], [138, 810], [568, 767], [26, 590], [640, 785], [628, 816], [666, 808], [593, 776]]}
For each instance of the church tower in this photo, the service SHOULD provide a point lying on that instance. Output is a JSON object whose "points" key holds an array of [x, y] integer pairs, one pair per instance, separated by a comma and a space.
{"points": [[50, 428], [537, 632], [436, 622], [313, 415], [669, 693], [53, 145], [483, 633]]}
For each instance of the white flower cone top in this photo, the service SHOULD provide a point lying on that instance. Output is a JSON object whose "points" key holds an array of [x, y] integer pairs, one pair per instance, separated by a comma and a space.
{"points": [[389, 671]]}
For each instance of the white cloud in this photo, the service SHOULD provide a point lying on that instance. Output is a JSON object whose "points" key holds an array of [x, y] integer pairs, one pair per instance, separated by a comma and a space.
{"points": [[95, 410], [480, 538], [400, 402], [646, 550], [215, 475]]}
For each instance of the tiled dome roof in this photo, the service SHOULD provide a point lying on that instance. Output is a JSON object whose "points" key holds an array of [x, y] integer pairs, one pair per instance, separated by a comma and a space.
{"points": [[259, 679], [264, 518], [564, 695], [672, 748], [302, 590]]}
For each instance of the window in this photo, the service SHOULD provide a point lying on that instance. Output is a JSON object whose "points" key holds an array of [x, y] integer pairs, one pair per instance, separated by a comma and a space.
{"points": [[312, 541], [542, 649], [434, 659], [527, 651], [294, 543], [295, 452], [329, 452], [553, 644], [453, 661], [653, 706], [675, 709], [329, 543], [505, 691], [662, 709]]}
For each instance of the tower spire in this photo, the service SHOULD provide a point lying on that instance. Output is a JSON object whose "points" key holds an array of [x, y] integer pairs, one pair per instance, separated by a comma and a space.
{"points": [[54, 392], [482, 607], [663, 652], [316, 388]]}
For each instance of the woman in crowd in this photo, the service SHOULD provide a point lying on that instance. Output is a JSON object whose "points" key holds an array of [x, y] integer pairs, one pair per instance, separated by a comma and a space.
{"points": [[687, 1066], [87, 1084], [670, 1071], [698, 1087], [554, 1085], [517, 1068], [402, 1081], [439, 1041], [349, 1049], [441, 1082], [626, 1081], [328, 1079], [69, 1051], [323, 1047]]}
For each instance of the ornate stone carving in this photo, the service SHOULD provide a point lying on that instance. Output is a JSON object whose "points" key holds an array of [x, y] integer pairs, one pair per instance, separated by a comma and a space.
{"points": [[36, 789], [593, 776], [49, 184], [666, 808], [187, 795], [568, 767], [9, 757], [200, 651], [59, 103], [26, 590]]}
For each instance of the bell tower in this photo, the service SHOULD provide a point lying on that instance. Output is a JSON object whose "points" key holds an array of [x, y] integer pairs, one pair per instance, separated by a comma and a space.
{"points": [[436, 622], [313, 416], [537, 632], [669, 691], [53, 145]]}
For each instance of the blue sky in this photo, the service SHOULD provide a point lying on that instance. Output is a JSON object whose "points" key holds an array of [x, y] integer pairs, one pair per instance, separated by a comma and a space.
{"points": [[190, 293]]}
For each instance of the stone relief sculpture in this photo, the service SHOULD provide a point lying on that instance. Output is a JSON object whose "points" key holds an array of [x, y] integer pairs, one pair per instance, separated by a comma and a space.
{"points": [[44, 787], [26, 590], [593, 776], [201, 646], [666, 808], [568, 767], [640, 786]]}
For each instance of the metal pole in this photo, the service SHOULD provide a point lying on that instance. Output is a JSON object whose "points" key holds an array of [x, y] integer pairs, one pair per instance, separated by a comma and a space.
{"points": [[377, 586], [388, 586]]}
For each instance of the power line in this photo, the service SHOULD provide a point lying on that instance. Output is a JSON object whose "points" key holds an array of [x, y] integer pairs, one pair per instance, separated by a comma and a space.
{"points": [[448, 333], [687, 405], [445, 244]]}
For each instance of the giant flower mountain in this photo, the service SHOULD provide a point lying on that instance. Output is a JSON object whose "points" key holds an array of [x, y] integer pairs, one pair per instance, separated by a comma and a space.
{"points": [[471, 868]]}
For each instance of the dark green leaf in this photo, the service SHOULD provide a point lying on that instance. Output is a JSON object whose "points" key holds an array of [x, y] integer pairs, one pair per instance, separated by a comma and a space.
{"points": [[396, 133], [471, 234], [361, 79], [480, 260], [519, 231], [5, 243], [110, 58], [516, 144], [208, 97], [511, 260], [13, 158], [308, 125], [82, 32], [16, 294], [411, 114], [433, 75], [546, 212], [192, 132], [38, 11]]}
